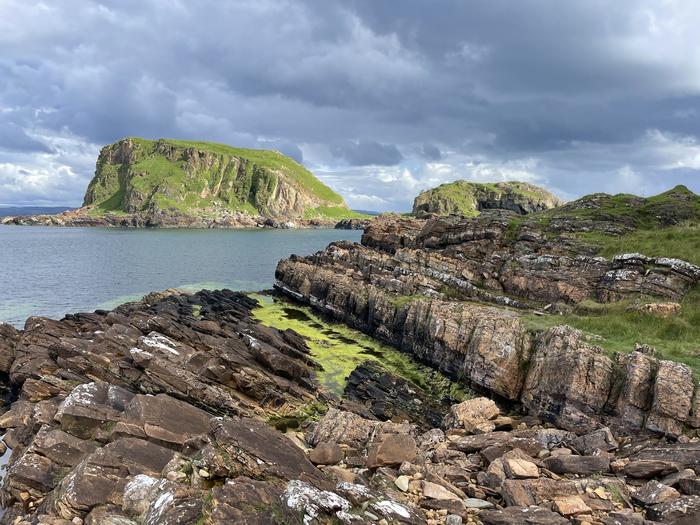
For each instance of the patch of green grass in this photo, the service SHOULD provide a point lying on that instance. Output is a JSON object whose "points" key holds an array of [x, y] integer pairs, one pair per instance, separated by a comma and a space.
{"points": [[676, 338], [682, 242], [402, 300], [340, 349], [673, 207], [273, 160]]}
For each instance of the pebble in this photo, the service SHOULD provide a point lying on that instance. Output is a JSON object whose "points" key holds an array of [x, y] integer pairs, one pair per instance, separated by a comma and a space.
{"points": [[402, 483], [475, 503], [453, 519]]}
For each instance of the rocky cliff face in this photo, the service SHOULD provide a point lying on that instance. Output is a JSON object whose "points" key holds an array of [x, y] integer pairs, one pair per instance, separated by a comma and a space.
{"points": [[453, 291], [136, 175], [470, 198]]}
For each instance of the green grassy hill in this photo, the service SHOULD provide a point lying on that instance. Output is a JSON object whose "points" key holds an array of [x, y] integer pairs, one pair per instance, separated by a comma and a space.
{"points": [[193, 178], [470, 198], [666, 225]]}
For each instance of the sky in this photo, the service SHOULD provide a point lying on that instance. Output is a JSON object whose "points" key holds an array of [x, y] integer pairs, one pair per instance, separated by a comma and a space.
{"points": [[380, 99]]}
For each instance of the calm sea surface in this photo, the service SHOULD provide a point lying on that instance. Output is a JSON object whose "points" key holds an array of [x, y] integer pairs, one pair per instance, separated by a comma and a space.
{"points": [[53, 271]]}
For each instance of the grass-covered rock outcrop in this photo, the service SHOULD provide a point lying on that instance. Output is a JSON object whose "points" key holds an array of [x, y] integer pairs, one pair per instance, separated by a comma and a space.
{"points": [[188, 178], [470, 198]]}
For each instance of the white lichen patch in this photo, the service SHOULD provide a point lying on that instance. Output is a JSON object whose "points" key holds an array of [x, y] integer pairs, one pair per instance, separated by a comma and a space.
{"points": [[302, 497], [388, 508], [82, 395], [160, 342]]}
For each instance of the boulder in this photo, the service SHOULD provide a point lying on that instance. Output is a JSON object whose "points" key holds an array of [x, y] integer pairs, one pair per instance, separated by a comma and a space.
{"points": [[653, 493], [689, 486], [517, 468], [598, 440], [682, 511], [90, 406], [326, 454], [522, 516], [672, 398], [474, 415], [341, 427], [252, 449], [163, 419], [650, 468], [392, 450], [570, 506], [582, 465], [535, 491]]}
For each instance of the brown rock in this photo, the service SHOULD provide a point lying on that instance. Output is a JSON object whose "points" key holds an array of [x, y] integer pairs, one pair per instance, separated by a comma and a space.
{"points": [[650, 468], [662, 310], [673, 394], [392, 450], [254, 450], [654, 492], [535, 491], [326, 454], [435, 491], [474, 415], [164, 419], [568, 380], [601, 439], [517, 468], [522, 516], [691, 487], [570, 506], [337, 426], [584, 465]]}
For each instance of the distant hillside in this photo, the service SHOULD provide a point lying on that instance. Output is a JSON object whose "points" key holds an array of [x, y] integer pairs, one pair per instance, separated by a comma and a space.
{"points": [[11, 211], [138, 176], [470, 198]]}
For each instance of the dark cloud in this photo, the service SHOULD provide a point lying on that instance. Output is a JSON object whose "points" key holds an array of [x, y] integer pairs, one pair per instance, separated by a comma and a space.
{"points": [[14, 138], [366, 153], [431, 152], [381, 99]]}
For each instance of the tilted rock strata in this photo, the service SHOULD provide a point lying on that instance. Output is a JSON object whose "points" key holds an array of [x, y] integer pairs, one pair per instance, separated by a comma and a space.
{"points": [[154, 414], [399, 284]]}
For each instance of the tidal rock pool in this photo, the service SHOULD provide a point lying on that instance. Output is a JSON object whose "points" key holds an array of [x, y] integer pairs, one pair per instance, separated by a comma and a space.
{"points": [[340, 349]]}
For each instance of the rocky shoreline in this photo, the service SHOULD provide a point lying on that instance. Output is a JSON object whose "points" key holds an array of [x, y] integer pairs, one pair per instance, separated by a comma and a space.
{"points": [[84, 217], [165, 411], [185, 409], [399, 285]]}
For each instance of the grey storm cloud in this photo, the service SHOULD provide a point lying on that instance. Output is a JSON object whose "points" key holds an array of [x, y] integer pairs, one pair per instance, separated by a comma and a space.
{"points": [[380, 99], [365, 153]]}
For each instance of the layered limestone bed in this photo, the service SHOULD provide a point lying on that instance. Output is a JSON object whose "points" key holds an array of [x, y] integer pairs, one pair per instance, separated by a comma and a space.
{"points": [[469, 198], [174, 183], [172, 410]]}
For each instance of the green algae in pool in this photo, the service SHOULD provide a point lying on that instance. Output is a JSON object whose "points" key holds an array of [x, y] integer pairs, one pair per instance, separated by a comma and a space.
{"points": [[340, 349]]}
